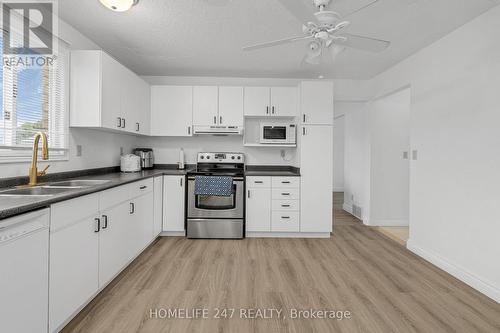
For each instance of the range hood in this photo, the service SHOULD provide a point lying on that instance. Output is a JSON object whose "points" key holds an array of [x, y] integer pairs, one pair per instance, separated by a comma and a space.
{"points": [[217, 130]]}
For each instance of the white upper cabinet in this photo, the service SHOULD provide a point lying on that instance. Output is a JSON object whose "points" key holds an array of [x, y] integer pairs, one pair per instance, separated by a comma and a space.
{"points": [[316, 102], [171, 110], [231, 106], [205, 105], [257, 100], [106, 94], [284, 101], [275, 101]]}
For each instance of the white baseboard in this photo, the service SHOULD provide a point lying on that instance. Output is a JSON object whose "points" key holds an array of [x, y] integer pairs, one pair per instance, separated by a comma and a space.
{"points": [[288, 235], [457, 271], [347, 208], [173, 234], [338, 189], [388, 223]]}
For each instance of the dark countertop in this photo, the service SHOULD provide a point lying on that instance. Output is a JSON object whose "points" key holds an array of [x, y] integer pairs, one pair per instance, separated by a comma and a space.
{"points": [[15, 205]]}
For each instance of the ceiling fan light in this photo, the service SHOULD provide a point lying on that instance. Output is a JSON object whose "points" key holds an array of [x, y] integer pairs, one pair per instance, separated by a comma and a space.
{"points": [[119, 5]]}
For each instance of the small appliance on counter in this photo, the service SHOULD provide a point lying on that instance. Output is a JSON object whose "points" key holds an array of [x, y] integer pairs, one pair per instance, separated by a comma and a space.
{"points": [[130, 163], [146, 156]]}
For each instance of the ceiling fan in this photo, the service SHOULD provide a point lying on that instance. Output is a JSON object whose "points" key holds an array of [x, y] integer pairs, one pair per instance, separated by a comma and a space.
{"points": [[323, 29]]}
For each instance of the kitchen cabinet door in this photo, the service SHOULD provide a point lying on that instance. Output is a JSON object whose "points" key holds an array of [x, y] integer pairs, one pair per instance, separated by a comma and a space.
{"points": [[316, 165], [143, 107], [284, 101], [173, 203], [137, 101], [158, 206], [74, 268], [257, 101], [231, 106], [171, 110], [205, 105], [316, 102], [112, 77], [258, 210], [142, 222], [114, 241]]}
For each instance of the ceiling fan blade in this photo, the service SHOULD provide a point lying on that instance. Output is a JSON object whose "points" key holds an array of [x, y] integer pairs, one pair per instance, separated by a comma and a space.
{"points": [[362, 43], [276, 42], [350, 7], [335, 50], [298, 8]]}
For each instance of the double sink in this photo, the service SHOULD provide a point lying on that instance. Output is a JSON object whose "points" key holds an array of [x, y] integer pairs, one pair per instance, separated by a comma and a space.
{"points": [[51, 189]]}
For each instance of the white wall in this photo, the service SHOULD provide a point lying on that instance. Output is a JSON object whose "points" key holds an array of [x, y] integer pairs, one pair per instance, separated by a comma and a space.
{"points": [[99, 149], [338, 153], [455, 117], [389, 129]]}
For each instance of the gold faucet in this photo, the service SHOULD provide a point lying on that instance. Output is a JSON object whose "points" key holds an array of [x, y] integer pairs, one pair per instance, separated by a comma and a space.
{"points": [[45, 155]]}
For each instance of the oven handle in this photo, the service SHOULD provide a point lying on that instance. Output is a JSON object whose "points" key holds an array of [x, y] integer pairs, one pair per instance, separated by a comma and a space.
{"points": [[236, 179]]}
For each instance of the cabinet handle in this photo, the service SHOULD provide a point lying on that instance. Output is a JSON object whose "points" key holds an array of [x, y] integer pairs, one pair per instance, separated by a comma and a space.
{"points": [[189, 130], [304, 118], [303, 131], [124, 123], [132, 208], [137, 127], [285, 217], [272, 109], [258, 182], [97, 224], [180, 182], [285, 206], [267, 109], [143, 187], [285, 182], [285, 193], [215, 119], [105, 224], [220, 120], [119, 122], [249, 194]]}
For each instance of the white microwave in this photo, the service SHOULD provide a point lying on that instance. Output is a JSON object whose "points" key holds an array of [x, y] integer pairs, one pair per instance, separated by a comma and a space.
{"points": [[278, 134]]}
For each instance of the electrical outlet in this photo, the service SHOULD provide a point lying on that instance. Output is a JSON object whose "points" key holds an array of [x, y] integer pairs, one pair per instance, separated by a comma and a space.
{"points": [[79, 150], [121, 151], [283, 153]]}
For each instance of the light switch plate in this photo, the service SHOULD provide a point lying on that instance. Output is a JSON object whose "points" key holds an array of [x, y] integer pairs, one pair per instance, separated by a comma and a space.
{"points": [[414, 155], [79, 149]]}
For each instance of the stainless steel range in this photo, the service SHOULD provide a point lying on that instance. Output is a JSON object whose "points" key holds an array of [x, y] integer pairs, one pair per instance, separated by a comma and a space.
{"points": [[215, 196]]}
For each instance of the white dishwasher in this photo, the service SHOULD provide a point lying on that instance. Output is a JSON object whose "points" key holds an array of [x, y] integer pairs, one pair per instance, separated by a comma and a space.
{"points": [[24, 271]]}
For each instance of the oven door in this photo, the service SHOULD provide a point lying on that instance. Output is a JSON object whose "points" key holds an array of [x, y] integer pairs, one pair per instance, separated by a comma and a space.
{"points": [[211, 206]]}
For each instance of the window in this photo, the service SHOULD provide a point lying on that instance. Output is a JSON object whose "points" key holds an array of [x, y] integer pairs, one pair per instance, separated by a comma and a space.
{"points": [[33, 99]]}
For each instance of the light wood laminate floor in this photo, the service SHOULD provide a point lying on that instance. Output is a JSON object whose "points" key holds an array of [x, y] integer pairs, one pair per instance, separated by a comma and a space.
{"points": [[384, 286]]}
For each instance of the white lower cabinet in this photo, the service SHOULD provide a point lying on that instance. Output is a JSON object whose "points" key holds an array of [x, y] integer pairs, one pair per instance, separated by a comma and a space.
{"points": [[92, 239], [258, 209], [272, 204], [74, 257], [173, 203]]}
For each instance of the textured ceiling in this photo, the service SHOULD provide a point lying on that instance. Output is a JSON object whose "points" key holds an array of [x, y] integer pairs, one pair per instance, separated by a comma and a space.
{"points": [[205, 37]]}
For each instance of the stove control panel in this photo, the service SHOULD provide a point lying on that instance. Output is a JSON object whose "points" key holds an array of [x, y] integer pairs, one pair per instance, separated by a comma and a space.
{"points": [[221, 158]]}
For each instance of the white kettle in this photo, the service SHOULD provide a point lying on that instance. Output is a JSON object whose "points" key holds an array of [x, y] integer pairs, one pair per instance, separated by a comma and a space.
{"points": [[130, 163]]}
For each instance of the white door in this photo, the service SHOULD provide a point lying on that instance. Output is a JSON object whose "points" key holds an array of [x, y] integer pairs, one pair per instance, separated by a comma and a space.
{"points": [[316, 106], [258, 210], [284, 101], [74, 269], [111, 93], [158, 206], [171, 110], [173, 203], [316, 162], [142, 221], [231, 106], [257, 101], [114, 247], [205, 105]]}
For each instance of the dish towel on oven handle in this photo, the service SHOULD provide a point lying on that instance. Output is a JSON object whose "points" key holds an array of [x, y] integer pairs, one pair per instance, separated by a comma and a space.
{"points": [[221, 186]]}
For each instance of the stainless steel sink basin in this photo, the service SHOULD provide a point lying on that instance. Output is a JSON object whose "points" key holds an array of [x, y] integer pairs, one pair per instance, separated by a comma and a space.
{"points": [[77, 183], [34, 191]]}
